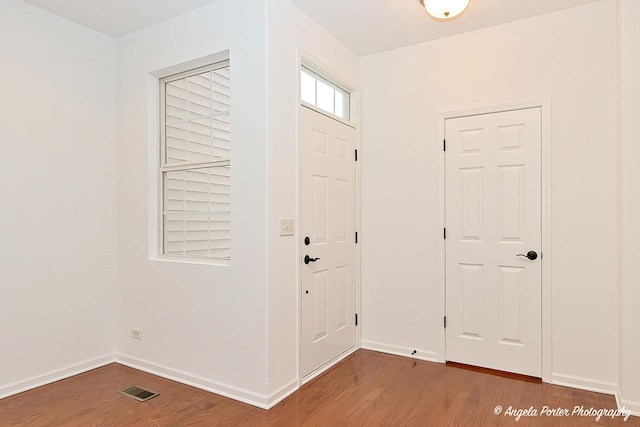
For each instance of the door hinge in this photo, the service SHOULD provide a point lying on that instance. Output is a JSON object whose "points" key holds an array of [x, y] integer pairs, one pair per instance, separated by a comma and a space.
{"points": [[356, 237], [444, 145], [445, 233], [356, 319], [356, 155], [445, 322]]}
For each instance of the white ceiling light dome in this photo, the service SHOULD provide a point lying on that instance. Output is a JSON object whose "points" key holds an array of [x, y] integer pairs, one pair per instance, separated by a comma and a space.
{"points": [[445, 9]]}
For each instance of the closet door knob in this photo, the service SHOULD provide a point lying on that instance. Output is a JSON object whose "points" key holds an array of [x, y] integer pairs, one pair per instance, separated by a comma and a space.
{"points": [[531, 255]]}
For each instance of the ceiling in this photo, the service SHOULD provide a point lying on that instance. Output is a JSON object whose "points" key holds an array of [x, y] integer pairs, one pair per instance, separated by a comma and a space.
{"points": [[372, 26], [365, 26], [116, 18]]}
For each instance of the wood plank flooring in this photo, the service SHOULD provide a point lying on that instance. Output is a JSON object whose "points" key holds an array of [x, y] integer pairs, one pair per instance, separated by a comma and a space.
{"points": [[367, 389]]}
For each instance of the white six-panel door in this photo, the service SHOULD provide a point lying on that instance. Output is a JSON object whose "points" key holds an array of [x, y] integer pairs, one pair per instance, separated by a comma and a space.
{"points": [[327, 218], [493, 213]]}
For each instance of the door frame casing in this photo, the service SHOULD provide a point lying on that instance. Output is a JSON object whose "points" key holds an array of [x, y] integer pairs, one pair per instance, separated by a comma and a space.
{"points": [[546, 258], [306, 59]]}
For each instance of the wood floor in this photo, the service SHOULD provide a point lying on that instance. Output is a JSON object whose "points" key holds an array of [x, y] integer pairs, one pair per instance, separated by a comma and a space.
{"points": [[367, 389]]}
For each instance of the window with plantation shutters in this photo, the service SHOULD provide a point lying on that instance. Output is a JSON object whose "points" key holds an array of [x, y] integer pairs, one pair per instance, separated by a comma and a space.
{"points": [[195, 164]]}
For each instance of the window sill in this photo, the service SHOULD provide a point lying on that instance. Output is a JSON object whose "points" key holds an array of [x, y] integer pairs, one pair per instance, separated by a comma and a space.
{"points": [[197, 261]]}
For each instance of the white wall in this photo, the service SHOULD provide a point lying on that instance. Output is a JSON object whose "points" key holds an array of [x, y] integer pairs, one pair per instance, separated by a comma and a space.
{"points": [[234, 329], [568, 56], [58, 215], [202, 323], [630, 290], [289, 29]]}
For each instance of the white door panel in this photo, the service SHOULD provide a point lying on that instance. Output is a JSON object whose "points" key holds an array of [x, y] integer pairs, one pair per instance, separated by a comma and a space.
{"points": [[493, 213], [327, 217]]}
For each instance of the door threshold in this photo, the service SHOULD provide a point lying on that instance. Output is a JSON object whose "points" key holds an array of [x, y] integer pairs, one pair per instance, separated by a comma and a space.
{"points": [[505, 374]]}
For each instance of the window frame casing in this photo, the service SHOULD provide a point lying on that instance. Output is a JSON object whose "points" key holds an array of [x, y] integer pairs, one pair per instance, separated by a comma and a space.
{"points": [[162, 167]]}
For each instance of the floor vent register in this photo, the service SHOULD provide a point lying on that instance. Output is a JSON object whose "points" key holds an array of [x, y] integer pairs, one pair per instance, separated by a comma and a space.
{"points": [[138, 393]]}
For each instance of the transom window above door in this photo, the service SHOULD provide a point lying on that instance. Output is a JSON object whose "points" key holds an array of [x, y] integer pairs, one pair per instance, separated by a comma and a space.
{"points": [[323, 94]]}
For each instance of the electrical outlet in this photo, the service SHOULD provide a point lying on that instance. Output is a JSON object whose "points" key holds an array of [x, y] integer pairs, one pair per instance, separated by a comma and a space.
{"points": [[136, 334]]}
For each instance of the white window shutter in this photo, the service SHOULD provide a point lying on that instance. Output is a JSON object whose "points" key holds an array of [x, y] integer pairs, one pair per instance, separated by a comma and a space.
{"points": [[196, 164]]}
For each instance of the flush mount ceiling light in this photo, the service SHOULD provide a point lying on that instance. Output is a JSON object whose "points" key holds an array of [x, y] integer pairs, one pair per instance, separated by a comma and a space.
{"points": [[444, 10]]}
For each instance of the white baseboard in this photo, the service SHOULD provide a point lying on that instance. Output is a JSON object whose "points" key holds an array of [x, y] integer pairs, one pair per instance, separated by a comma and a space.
{"points": [[321, 370], [232, 392], [429, 356], [598, 386], [630, 405], [583, 383], [250, 397], [282, 393], [268, 401], [55, 375]]}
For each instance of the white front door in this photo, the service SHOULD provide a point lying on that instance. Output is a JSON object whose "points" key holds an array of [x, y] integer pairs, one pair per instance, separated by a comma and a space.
{"points": [[493, 217], [327, 230]]}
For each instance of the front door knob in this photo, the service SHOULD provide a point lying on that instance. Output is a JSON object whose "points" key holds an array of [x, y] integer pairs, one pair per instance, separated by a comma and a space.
{"points": [[307, 260], [531, 255]]}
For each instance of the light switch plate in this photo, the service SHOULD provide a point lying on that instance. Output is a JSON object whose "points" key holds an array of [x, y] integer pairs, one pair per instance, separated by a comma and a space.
{"points": [[286, 227]]}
